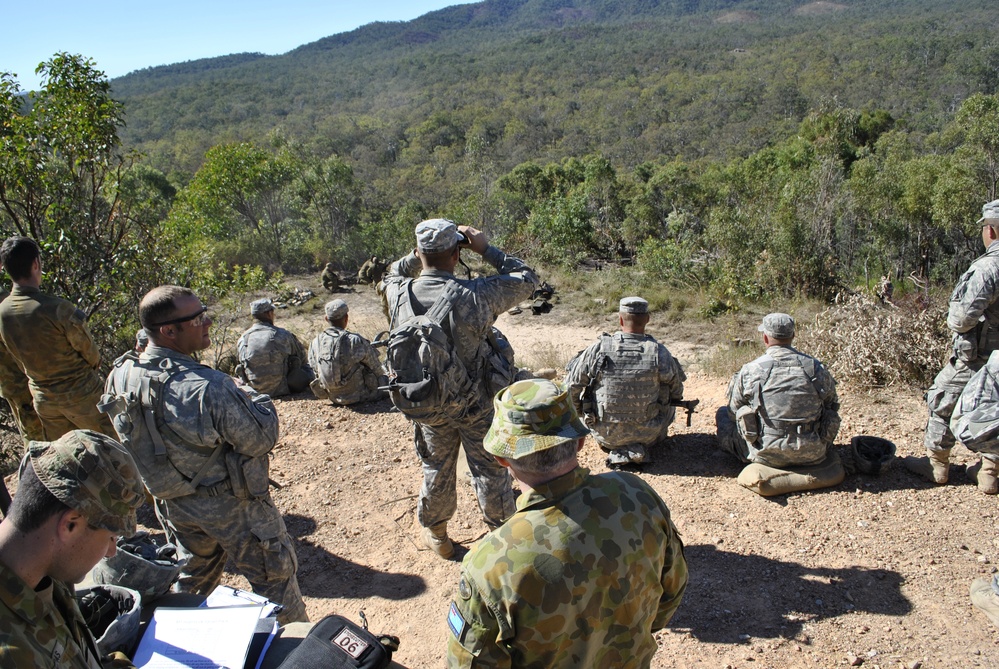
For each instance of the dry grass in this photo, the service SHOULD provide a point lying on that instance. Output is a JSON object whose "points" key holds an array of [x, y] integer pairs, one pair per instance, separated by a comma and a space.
{"points": [[870, 344], [546, 354]]}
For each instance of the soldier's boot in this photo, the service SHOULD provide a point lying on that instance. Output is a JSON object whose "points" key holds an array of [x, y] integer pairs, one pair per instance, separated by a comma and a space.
{"points": [[985, 597], [438, 541], [935, 467], [986, 474]]}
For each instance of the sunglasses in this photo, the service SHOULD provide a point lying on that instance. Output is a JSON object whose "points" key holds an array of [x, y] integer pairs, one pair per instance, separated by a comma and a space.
{"points": [[197, 319]]}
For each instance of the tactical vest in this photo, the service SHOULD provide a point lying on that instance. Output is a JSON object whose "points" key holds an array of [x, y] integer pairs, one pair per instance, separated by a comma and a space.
{"points": [[627, 380], [788, 403], [137, 415], [264, 364], [330, 370]]}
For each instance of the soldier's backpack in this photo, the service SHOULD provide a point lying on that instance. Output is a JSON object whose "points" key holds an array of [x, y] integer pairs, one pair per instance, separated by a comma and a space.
{"points": [[136, 413], [426, 377], [329, 373]]}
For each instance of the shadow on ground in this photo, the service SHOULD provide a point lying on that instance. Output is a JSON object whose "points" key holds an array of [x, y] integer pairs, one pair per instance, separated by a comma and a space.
{"points": [[323, 574], [731, 597]]}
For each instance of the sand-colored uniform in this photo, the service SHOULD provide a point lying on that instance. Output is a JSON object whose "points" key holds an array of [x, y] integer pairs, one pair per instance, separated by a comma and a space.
{"points": [[273, 361], [479, 303], [633, 379], [43, 628], [215, 505], [581, 576], [347, 368], [48, 339]]}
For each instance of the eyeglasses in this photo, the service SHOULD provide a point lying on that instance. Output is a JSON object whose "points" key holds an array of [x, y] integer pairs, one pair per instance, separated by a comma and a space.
{"points": [[197, 319]]}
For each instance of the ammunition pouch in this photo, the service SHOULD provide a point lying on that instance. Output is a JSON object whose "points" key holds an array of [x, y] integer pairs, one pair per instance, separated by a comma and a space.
{"points": [[748, 424], [248, 475]]}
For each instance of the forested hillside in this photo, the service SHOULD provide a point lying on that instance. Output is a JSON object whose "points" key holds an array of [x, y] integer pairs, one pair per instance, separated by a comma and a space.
{"points": [[751, 149]]}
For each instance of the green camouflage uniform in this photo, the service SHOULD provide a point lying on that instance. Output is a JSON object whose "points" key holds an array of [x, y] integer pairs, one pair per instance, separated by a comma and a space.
{"points": [[49, 341], [273, 361], [331, 280], [347, 368], [973, 317], [796, 424], [634, 377], [437, 442], [580, 576], [42, 626], [230, 513]]}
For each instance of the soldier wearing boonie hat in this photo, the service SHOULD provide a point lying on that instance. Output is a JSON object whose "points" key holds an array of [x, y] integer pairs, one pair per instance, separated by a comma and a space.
{"points": [[600, 546], [412, 285], [624, 384], [271, 359], [782, 417], [75, 496], [346, 364], [973, 319]]}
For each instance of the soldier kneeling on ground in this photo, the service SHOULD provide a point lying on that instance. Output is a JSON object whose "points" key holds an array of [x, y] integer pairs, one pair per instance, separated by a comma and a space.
{"points": [[782, 417]]}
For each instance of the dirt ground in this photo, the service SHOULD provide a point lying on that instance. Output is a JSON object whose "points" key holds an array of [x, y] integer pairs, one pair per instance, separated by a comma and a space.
{"points": [[874, 571]]}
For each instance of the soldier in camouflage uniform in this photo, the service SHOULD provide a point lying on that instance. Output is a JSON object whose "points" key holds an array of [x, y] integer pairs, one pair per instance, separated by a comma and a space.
{"points": [[973, 317], [75, 496], [586, 569], [975, 423], [346, 364], [48, 340], [201, 444], [782, 417], [14, 388], [479, 302], [622, 386], [331, 280], [271, 359]]}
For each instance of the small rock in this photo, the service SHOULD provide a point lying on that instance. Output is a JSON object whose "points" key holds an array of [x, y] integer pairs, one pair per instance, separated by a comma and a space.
{"points": [[983, 559], [915, 664], [853, 660]]}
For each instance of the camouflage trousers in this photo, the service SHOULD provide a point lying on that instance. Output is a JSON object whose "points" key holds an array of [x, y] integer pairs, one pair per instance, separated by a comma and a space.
{"points": [[437, 446], [941, 399], [730, 440], [59, 417], [249, 531], [28, 424]]}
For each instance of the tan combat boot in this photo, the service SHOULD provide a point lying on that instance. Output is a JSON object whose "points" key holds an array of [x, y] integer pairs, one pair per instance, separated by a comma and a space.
{"points": [[985, 597], [934, 467], [985, 474], [438, 541]]}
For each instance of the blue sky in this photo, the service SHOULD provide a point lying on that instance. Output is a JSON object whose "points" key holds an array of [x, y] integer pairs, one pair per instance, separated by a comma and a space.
{"points": [[126, 36]]}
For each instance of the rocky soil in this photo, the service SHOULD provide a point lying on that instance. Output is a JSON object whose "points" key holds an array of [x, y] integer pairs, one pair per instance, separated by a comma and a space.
{"points": [[874, 572]]}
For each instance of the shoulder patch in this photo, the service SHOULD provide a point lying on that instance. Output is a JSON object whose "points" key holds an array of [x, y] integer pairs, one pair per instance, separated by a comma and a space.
{"points": [[455, 622]]}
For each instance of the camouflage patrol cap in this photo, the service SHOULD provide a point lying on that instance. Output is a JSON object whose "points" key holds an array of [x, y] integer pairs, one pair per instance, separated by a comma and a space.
{"points": [[436, 235], [336, 309], [93, 474], [532, 416], [633, 305], [261, 306], [990, 211], [778, 326], [142, 337]]}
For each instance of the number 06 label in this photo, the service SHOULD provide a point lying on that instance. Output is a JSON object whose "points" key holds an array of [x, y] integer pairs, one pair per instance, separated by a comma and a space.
{"points": [[350, 643]]}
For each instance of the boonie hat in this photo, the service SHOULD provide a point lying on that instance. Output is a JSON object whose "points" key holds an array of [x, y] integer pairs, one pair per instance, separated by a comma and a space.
{"points": [[93, 474], [336, 309], [990, 211], [633, 305], [779, 326], [261, 306], [436, 235], [532, 416]]}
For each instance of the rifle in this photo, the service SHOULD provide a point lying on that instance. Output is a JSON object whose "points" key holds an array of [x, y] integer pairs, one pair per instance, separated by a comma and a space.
{"points": [[689, 405], [4, 498]]}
